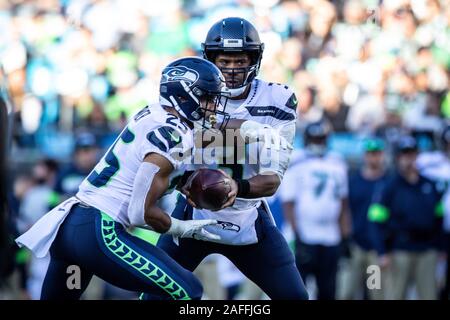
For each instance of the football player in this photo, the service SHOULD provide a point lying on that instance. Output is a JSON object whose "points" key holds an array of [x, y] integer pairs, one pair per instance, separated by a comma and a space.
{"points": [[249, 236], [314, 195], [86, 235]]}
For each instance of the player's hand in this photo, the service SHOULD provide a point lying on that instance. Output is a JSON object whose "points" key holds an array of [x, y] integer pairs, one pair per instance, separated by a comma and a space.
{"points": [[193, 229], [273, 140], [231, 197], [185, 191], [278, 142], [258, 131], [271, 137]]}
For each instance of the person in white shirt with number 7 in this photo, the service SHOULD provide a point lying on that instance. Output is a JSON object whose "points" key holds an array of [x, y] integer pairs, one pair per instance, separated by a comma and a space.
{"points": [[88, 232]]}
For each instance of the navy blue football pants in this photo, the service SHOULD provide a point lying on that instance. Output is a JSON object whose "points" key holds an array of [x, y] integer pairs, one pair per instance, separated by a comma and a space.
{"points": [[97, 245], [270, 264], [322, 263]]}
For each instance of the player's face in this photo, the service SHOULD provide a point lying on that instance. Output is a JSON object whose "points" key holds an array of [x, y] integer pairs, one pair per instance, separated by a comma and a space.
{"points": [[233, 67], [209, 104]]}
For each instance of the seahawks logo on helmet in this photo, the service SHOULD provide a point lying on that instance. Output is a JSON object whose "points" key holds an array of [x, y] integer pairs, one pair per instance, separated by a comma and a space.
{"points": [[180, 73]]}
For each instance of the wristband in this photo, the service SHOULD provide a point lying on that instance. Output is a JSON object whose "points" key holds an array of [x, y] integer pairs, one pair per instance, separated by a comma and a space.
{"points": [[243, 188], [176, 227]]}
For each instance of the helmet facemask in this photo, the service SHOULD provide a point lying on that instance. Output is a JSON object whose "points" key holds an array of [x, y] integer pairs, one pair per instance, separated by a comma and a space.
{"points": [[211, 109], [316, 138], [316, 146]]}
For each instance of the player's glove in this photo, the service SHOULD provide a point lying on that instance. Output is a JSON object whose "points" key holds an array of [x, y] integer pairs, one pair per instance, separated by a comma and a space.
{"points": [[270, 136], [192, 229]]}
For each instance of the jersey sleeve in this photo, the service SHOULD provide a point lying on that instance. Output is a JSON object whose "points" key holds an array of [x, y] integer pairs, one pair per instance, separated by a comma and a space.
{"points": [[285, 102], [170, 142], [284, 119]]}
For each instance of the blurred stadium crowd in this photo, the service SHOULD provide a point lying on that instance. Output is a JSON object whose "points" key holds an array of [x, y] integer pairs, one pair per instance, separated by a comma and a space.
{"points": [[77, 69]]}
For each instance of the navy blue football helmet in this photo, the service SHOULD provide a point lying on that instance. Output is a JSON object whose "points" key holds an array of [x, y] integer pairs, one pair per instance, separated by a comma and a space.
{"points": [[315, 137], [235, 35], [196, 89]]}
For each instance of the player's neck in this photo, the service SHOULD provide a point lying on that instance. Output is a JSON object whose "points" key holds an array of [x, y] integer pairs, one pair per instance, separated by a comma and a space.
{"points": [[244, 94]]}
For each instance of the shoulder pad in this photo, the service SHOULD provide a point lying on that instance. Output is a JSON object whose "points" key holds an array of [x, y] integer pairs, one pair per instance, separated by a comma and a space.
{"points": [[283, 96]]}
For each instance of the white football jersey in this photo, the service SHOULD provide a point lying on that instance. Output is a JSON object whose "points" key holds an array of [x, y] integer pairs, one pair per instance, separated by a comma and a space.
{"points": [[434, 165], [266, 103], [109, 186], [316, 185]]}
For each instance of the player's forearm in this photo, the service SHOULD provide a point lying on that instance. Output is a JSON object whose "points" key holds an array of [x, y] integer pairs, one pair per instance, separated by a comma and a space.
{"points": [[261, 186], [157, 219]]}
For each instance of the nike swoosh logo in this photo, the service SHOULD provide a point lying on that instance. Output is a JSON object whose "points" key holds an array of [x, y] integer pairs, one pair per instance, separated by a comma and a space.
{"points": [[174, 138]]}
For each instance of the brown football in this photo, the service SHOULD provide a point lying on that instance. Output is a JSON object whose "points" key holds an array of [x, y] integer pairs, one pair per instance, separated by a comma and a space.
{"points": [[209, 188]]}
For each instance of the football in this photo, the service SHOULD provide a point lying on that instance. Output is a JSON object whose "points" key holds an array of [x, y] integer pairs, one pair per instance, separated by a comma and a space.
{"points": [[209, 188]]}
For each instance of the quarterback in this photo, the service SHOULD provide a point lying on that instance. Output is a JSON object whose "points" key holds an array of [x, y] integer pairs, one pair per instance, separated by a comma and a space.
{"points": [[248, 234]]}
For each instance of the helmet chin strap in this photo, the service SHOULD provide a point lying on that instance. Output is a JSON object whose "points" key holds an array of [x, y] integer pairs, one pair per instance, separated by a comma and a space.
{"points": [[177, 107]]}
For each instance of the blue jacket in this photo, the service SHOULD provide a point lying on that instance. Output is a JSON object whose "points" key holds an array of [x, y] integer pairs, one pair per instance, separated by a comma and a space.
{"points": [[360, 197], [407, 216]]}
